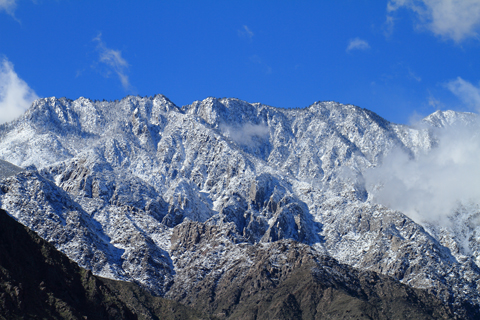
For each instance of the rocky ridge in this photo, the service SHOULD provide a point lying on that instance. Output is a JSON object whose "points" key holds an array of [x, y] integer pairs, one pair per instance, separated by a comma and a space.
{"points": [[114, 185]]}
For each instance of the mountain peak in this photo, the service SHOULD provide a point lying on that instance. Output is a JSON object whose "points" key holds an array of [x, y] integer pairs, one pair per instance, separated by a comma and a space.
{"points": [[449, 118]]}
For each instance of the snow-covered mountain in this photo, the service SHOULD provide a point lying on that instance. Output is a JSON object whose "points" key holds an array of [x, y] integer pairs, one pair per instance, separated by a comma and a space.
{"points": [[145, 191]]}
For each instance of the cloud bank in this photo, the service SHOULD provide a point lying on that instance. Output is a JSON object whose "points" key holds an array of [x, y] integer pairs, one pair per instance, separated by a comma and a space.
{"points": [[114, 60], [357, 44], [15, 95], [434, 185], [451, 19]]}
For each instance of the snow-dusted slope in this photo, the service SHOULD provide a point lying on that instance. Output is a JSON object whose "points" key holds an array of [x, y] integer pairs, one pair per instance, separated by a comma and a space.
{"points": [[111, 183]]}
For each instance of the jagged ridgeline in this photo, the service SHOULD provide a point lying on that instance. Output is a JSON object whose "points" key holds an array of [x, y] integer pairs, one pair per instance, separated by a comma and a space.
{"points": [[187, 200]]}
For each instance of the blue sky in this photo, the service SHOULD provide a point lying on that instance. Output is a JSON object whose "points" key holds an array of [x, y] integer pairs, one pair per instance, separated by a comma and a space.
{"points": [[402, 59]]}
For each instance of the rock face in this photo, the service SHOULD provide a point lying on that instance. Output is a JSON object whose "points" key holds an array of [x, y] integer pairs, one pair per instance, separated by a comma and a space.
{"points": [[145, 191]]}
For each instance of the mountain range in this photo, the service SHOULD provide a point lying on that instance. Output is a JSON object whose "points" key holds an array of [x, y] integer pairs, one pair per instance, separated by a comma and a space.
{"points": [[225, 205]]}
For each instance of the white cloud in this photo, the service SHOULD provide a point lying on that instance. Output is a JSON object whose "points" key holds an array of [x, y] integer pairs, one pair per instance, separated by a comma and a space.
{"points": [[465, 91], [9, 6], [434, 185], [451, 19], [357, 44], [244, 135], [15, 95], [113, 59], [246, 32]]}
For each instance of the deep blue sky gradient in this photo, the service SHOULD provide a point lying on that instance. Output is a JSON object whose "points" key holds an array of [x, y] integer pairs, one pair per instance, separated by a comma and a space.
{"points": [[296, 53]]}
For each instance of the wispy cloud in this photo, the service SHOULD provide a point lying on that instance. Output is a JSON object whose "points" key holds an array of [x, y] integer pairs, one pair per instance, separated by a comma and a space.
{"points": [[468, 93], [413, 75], [8, 6], [245, 32], [449, 19], [357, 44], [15, 95], [389, 25], [434, 102], [255, 59], [114, 60]]}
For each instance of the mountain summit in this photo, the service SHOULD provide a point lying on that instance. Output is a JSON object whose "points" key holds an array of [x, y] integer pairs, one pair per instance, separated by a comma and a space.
{"points": [[182, 200]]}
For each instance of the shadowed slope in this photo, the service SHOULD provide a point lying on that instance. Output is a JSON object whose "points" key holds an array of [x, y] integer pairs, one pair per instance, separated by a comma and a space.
{"points": [[37, 281]]}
